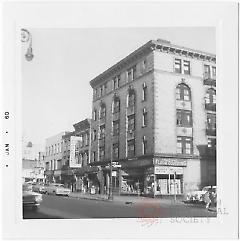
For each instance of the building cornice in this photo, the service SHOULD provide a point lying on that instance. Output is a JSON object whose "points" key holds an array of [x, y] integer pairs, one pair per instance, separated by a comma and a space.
{"points": [[152, 45]]}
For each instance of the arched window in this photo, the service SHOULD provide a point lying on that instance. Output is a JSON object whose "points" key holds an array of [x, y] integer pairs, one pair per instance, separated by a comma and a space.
{"points": [[102, 114], [183, 92], [116, 105], [210, 97], [131, 98]]}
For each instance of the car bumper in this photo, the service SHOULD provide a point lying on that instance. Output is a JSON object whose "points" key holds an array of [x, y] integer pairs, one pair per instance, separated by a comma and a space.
{"points": [[31, 204], [63, 193]]}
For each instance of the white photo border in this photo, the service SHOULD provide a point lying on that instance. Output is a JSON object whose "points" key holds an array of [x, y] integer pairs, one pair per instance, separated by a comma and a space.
{"points": [[223, 16]]}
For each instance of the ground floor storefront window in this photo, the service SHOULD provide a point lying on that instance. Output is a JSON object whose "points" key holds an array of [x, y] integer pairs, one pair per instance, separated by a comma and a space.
{"points": [[132, 184], [165, 184]]}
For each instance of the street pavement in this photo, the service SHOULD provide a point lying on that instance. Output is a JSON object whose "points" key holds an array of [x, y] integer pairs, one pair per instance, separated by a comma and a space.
{"points": [[55, 207]]}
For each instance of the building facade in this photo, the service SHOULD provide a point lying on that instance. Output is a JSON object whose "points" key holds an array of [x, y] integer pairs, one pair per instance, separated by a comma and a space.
{"points": [[154, 115], [54, 157]]}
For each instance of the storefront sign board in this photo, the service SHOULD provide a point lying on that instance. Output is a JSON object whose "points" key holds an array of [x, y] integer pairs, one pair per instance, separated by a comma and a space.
{"points": [[168, 170], [169, 162]]}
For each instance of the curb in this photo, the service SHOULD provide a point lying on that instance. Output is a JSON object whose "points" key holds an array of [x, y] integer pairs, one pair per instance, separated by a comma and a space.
{"points": [[87, 198], [120, 201]]}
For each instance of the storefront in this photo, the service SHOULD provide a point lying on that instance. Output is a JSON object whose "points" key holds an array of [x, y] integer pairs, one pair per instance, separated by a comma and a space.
{"points": [[163, 180], [88, 179], [152, 177], [132, 181]]}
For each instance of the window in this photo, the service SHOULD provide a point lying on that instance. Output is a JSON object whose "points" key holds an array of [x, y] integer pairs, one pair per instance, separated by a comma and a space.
{"points": [[105, 88], [210, 97], [80, 158], [211, 147], [144, 145], [178, 66], [101, 90], [184, 145], [81, 141], [95, 115], [102, 132], [131, 123], [101, 152], [214, 71], [144, 92], [131, 73], [93, 156], [184, 118], [144, 117], [183, 92], [116, 105], [94, 135], [95, 93], [131, 99], [131, 148], [102, 111], [116, 81], [115, 128], [144, 64], [212, 143], [211, 121], [87, 139], [186, 67], [86, 160], [115, 151], [207, 71]]}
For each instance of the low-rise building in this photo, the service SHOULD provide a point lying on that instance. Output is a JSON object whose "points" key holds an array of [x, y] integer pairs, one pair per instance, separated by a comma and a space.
{"points": [[54, 157]]}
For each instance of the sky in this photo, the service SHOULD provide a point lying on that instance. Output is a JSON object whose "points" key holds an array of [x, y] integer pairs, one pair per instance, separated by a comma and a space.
{"points": [[55, 85]]}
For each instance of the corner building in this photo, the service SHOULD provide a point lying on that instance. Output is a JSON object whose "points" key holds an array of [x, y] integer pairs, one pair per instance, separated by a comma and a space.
{"points": [[154, 115]]}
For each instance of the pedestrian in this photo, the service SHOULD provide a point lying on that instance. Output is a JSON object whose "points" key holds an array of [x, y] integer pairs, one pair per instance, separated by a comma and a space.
{"points": [[207, 199]]}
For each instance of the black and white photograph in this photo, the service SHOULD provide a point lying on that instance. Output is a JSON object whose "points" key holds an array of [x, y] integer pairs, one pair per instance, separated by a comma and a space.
{"points": [[121, 123], [140, 135]]}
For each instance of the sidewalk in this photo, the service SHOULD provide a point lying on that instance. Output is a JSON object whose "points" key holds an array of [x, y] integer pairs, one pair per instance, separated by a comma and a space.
{"points": [[125, 199]]}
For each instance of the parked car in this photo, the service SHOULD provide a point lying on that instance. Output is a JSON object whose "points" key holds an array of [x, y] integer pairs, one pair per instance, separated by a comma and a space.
{"points": [[39, 187], [199, 195], [30, 198], [57, 189]]}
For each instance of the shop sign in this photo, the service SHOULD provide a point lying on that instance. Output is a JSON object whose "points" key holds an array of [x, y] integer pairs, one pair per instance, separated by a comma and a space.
{"points": [[74, 152], [168, 170], [170, 162], [114, 173]]}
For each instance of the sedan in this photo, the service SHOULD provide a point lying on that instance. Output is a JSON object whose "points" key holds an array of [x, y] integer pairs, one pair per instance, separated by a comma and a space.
{"points": [[57, 189], [30, 198]]}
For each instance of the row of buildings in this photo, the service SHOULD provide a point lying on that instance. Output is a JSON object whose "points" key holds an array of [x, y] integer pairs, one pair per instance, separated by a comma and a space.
{"points": [[32, 162], [154, 116]]}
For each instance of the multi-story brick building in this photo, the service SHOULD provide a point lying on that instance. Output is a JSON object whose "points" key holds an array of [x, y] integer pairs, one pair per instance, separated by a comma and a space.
{"points": [[154, 113], [67, 157]]}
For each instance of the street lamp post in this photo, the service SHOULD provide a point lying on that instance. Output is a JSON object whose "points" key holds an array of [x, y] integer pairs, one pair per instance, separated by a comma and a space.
{"points": [[27, 37], [110, 193]]}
